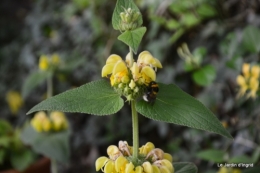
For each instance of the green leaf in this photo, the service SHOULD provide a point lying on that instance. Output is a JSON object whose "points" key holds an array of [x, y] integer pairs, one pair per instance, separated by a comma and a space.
{"points": [[241, 159], [206, 10], [173, 105], [251, 39], [204, 76], [2, 155], [133, 38], [97, 98], [212, 155], [22, 159], [54, 145], [5, 127], [184, 167], [120, 6], [33, 80]]}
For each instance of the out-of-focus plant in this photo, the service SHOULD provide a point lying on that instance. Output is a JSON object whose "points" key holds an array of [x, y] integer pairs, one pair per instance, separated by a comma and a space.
{"points": [[181, 15], [203, 75], [49, 65], [12, 151], [222, 157], [48, 133], [249, 81], [14, 101], [135, 81]]}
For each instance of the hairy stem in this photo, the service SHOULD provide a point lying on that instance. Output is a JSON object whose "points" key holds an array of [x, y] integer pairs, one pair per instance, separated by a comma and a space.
{"points": [[135, 130]]}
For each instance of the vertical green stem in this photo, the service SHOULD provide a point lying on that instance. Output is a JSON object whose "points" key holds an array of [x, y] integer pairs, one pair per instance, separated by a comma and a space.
{"points": [[49, 86], [135, 130], [54, 168], [134, 117]]}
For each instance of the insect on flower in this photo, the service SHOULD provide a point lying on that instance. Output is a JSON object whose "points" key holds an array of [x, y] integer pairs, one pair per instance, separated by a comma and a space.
{"points": [[151, 92]]}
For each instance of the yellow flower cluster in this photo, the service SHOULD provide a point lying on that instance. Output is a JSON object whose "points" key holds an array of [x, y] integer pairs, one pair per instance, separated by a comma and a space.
{"points": [[151, 160], [14, 101], [130, 77], [49, 62], [249, 81], [56, 122]]}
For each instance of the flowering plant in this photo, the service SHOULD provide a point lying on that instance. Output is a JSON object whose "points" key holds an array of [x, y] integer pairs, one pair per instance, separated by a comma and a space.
{"points": [[134, 81]]}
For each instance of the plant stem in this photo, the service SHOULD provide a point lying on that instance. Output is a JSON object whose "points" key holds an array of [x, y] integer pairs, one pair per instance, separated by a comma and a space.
{"points": [[135, 130], [49, 86], [54, 166]]}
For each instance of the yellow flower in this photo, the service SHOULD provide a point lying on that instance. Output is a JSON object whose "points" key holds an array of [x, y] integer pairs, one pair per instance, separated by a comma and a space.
{"points": [[130, 78], [145, 58], [55, 59], [44, 62], [59, 121], [249, 81], [40, 122], [120, 160], [49, 62], [14, 101]]}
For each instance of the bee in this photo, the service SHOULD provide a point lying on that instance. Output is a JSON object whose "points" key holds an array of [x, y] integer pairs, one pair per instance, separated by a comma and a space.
{"points": [[151, 92]]}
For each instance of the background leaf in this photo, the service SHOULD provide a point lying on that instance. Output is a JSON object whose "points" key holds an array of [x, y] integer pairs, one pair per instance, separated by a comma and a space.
{"points": [[133, 38], [204, 76], [251, 39], [97, 98], [120, 5], [33, 80], [173, 105], [20, 160], [52, 145], [184, 167], [212, 155]]}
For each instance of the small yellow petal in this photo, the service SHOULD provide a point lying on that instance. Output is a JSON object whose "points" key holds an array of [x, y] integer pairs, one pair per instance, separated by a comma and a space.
{"points": [[119, 67], [113, 152], [129, 167], [138, 169], [100, 162], [112, 59], [156, 169], [164, 169], [246, 69], [135, 71], [255, 71], [120, 163], [146, 58], [254, 83], [148, 71], [44, 62], [147, 167], [145, 149], [167, 164], [107, 69], [241, 80], [168, 157], [109, 167]]}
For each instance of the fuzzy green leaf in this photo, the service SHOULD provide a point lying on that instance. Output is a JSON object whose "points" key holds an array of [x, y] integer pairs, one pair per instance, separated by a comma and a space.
{"points": [[173, 105], [184, 167], [120, 6], [52, 145], [133, 38], [97, 98]]}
